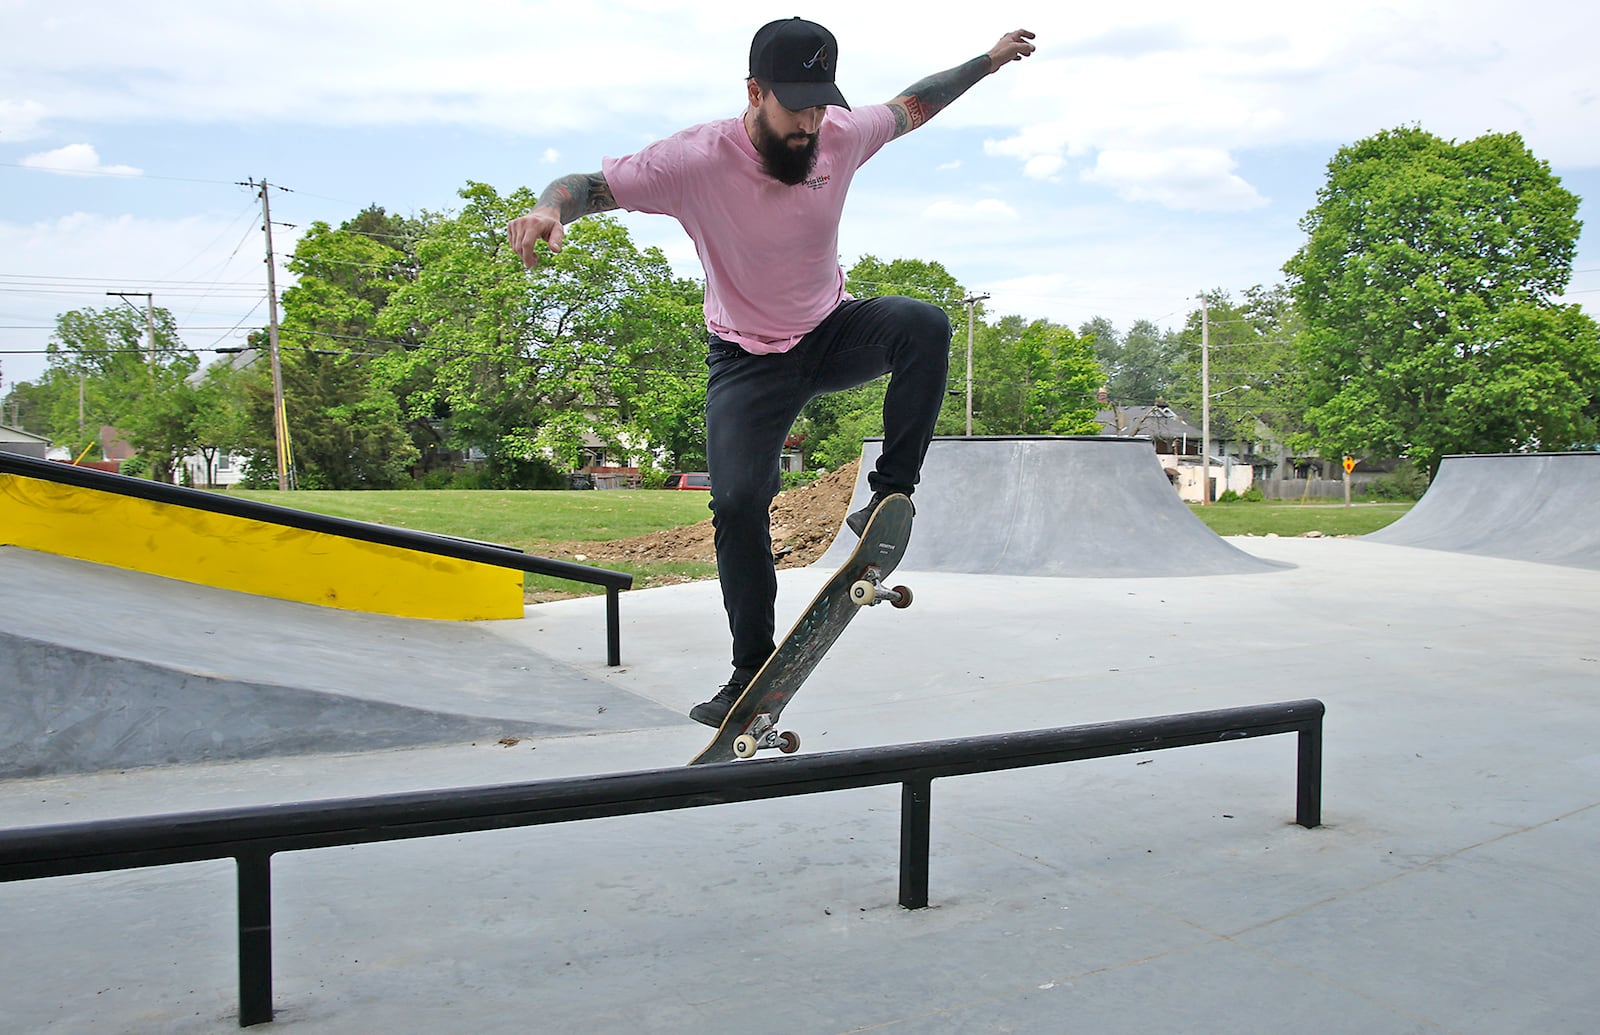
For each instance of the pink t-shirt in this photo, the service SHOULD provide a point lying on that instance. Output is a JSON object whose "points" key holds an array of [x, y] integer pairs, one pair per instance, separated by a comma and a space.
{"points": [[770, 251]]}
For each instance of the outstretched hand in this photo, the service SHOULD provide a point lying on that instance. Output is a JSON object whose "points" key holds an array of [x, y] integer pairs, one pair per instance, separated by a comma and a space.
{"points": [[528, 229], [1013, 46]]}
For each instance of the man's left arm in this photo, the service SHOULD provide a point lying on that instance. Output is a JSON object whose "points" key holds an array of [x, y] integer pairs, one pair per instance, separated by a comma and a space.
{"points": [[925, 98]]}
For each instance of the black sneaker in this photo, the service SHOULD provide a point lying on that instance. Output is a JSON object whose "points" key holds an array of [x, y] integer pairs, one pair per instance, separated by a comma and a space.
{"points": [[857, 522], [712, 712]]}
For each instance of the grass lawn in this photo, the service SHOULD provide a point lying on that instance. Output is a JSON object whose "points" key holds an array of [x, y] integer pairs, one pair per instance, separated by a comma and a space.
{"points": [[527, 520], [1284, 518]]}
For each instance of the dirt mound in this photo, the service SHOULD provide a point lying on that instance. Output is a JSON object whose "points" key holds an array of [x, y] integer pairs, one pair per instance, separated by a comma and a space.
{"points": [[804, 522]]}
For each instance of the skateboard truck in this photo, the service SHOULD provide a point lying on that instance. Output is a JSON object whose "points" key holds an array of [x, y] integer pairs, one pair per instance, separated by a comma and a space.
{"points": [[870, 591], [763, 734]]}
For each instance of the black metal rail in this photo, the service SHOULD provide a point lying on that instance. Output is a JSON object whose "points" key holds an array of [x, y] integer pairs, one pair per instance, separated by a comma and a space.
{"points": [[252, 835], [614, 582]]}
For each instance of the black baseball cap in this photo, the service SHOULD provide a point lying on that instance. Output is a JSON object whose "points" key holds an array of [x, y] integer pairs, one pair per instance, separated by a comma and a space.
{"points": [[797, 59]]}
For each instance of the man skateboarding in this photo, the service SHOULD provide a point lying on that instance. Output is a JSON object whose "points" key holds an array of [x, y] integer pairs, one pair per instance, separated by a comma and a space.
{"points": [[761, 196]]}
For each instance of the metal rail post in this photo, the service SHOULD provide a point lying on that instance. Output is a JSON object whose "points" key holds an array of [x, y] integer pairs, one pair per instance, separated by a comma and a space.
{"points": [[255, 938], [916, 822], [1308, 778], [613, 626]]}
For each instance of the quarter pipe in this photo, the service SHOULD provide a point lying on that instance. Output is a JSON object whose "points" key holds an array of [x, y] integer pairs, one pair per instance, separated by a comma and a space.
{"points": [[1085, 507], [1523, 506]]}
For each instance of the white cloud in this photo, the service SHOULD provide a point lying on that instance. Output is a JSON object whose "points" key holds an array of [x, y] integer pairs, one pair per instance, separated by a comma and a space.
{"points": [[76, 160], [1043, 167], [551, 156], [1200, 179]]}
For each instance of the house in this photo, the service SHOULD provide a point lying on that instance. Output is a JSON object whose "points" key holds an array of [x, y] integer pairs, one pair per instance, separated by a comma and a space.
{"points": [[226, 470], [1170, 433], [1178, 446], [23, 443]]}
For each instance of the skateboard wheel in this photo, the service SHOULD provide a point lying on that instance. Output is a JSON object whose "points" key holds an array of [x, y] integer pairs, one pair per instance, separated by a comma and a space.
{"points": [[744, 746], [863, 592], [788, 742], [905, 596]]}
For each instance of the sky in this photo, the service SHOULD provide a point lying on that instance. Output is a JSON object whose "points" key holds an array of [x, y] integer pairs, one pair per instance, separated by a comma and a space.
{"points": [[1147, 152]]}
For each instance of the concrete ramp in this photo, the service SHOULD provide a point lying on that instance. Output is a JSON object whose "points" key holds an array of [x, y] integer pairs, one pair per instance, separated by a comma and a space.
{"points": [[1541, 507], [1083, 507], [104, 668]]}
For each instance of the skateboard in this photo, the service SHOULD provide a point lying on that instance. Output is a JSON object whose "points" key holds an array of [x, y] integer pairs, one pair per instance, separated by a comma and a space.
{"points": [[751, 724]]}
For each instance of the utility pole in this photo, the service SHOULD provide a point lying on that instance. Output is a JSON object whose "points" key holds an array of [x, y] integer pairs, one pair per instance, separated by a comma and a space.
{"points": [[971, 302], [1205, 402], [280, 417]]}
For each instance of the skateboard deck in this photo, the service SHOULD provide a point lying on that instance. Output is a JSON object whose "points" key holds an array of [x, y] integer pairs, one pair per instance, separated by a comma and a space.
{"points": [[752, 721]]}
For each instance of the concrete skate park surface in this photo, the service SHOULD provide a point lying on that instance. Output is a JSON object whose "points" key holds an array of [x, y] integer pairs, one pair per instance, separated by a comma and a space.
{"points": [[1450, 889]]}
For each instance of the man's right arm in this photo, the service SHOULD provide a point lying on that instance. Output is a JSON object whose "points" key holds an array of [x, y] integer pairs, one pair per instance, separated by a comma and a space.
{"points": [[564, 200]]}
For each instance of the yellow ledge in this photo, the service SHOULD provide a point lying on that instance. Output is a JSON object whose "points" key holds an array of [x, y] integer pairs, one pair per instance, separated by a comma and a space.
{"points": [[251, 556]]}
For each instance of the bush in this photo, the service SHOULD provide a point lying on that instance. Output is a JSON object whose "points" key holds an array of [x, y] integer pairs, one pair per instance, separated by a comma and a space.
{"points": [[1405, 483], [438, 478], [795, 479], [1250, 495], [506, 472]]}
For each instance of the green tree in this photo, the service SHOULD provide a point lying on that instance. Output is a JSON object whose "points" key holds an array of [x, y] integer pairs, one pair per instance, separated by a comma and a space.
{"points": [[345, 423], [1256, 387], [1426, 285], [102, 372], [871, 277], [221, 419], [1034, 378], [600, 340], [1100, 332], [1143, 368], [24, 407], [345, 277], [659, 376], [345, 431]]}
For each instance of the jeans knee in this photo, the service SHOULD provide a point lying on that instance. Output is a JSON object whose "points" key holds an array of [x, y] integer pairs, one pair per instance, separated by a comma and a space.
{"points": [[926, 326], [741, 504]]}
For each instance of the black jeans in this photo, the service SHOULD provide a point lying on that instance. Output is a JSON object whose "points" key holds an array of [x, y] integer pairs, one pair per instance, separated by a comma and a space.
{"points": [[751, 404]]}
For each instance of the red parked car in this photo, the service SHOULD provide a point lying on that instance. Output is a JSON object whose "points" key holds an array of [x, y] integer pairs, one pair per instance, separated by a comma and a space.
{"points": [[694, 480]]}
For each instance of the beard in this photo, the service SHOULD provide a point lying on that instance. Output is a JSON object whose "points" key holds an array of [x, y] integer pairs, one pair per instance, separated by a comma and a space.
{"points": [[781, 158]]}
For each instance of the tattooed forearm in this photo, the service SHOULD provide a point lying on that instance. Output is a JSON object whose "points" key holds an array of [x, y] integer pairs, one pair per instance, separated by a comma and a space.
{"points": [[925, 98], [580, 194]]}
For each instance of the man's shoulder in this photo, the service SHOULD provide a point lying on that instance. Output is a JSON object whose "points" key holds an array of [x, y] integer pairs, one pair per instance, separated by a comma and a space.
{"points": [[873, 124], [706, 138], [660, 176]]}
